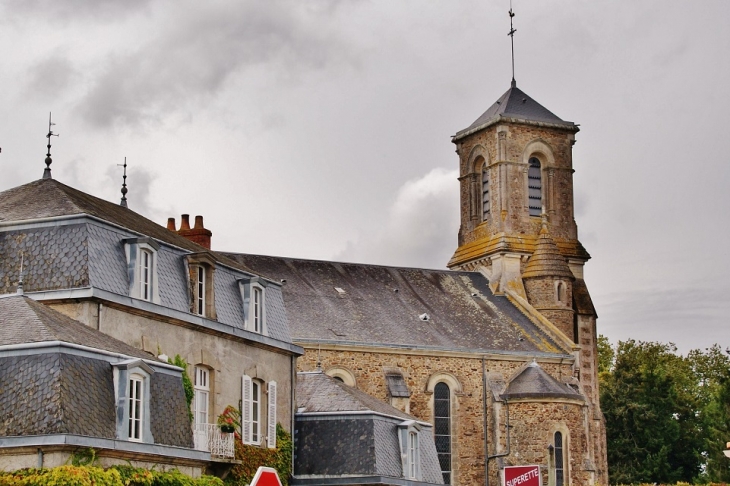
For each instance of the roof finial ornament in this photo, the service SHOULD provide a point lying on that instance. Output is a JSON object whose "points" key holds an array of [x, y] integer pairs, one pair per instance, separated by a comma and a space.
{"points": [[123, 202], [319, 360], [20, 280], [544, 218], [47, 172], [511, 34]]}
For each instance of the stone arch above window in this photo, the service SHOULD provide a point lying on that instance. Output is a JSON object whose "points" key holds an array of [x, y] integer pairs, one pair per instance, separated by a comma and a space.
{"points": [[444, 377], [343, 374], [478, 158]]}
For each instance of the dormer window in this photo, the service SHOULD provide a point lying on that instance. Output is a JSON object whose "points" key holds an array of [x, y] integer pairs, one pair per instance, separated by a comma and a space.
{"points": [[534, 184], [145, 274], [200, 293], [202, 288], [253, 296], [132, 391], [410, 451], [141, 256]]}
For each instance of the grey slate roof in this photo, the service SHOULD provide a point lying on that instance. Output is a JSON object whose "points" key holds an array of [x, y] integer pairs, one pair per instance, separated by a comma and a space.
{"points": [[514, 103], [372, 312], [46, 198], [534, 382], [341, 444], [27, 321], [318, 392]]}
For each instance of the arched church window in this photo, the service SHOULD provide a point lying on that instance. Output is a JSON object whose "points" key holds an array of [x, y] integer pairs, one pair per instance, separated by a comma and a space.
{"points": [[559, 460], [534, 184], [486, 197], [442, 428]]}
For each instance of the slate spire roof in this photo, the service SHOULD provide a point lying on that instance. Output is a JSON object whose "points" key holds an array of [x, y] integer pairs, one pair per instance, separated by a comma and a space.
{"points": [[547, 261], [27, 321], [514, 103], [534, 382]]}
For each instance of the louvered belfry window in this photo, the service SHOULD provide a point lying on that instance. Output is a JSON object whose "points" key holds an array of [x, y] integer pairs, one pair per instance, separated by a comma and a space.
{"points": [[486, 202], [534, 183], [442, 426]]}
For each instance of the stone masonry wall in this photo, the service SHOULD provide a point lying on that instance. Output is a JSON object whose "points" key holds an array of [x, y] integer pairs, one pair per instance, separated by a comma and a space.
{"points": [[542, 296], [467, 404]]}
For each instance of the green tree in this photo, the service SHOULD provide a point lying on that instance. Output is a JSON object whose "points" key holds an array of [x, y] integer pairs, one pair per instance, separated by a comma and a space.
{"points": [[712, 368], [648, 396]]}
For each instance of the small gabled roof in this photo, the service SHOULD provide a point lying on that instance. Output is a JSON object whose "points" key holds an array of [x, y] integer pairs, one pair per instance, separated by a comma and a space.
{"points": [[24, 321], [514, 103], [318, 392], [534, 382], [48, 198]]}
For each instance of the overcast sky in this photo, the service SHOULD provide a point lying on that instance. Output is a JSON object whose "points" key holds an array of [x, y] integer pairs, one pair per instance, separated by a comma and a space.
{"points": [[321, 128]]}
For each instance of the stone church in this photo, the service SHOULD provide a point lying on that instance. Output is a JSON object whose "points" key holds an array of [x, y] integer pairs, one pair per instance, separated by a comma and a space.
{"points": [[499, 352], [489, 364]]}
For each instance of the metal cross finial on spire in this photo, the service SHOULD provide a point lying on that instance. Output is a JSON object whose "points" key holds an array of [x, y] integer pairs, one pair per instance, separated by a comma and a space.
{"points": [[123, 203], [47, 172], [511, 34]]}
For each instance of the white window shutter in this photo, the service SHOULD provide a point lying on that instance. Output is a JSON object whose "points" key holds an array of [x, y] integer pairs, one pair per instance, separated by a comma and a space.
{"points": [[271, 416], [246, 392]]}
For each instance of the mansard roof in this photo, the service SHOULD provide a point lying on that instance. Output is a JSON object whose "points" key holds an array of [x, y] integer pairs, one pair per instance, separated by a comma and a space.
{"points": [[534, 382], [49, 198], [399, 307], [26, 321], [318, 392], [515, 104]]}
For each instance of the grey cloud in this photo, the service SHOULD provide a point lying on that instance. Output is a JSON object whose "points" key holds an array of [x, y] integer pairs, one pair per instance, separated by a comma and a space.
{"points": [[50, 77], [139, 186], [74, 10], [420, 229], [196, 53]]}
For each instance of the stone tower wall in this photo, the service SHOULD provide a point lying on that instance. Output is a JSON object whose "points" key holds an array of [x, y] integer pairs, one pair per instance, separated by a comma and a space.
{"points": [[541, 295]]}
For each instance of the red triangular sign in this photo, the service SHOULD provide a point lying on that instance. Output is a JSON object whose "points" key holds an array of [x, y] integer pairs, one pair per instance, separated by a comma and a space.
{"points": [[266, 476]]}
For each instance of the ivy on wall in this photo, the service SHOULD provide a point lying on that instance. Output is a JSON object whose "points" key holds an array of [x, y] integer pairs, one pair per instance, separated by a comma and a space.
{"points": [[187, 383], [252, 457]]}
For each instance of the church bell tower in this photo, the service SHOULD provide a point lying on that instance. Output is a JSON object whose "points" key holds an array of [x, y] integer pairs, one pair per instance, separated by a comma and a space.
{"points": [[517, 216]]}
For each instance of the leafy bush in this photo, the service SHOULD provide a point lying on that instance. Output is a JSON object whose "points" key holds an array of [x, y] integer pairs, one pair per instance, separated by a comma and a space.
{"points": [[70, 475]]}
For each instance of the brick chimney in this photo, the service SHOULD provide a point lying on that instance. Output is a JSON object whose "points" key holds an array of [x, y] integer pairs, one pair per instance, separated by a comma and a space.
{"points": [[198, 234]]}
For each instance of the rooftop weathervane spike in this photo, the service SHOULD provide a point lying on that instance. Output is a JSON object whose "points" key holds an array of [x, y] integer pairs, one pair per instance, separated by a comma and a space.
{"points": [[123, 203], [512, 31], [20, 280], [47, 172]]}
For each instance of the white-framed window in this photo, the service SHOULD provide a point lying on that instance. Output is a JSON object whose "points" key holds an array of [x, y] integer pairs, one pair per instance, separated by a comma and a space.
{"points": [[141, 256], [135, 414], [201, 267], [408, 436], [257, 301], [253, 296], [145, 274], [534, 186], [413, 454], [132, 394], [252, 408], [200, 290], [202, 395]]}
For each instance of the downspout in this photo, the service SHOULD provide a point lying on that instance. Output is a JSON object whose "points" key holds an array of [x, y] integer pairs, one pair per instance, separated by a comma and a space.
{"points": [[40, 458], [293, 407], [502, 454], [486, 423]]}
